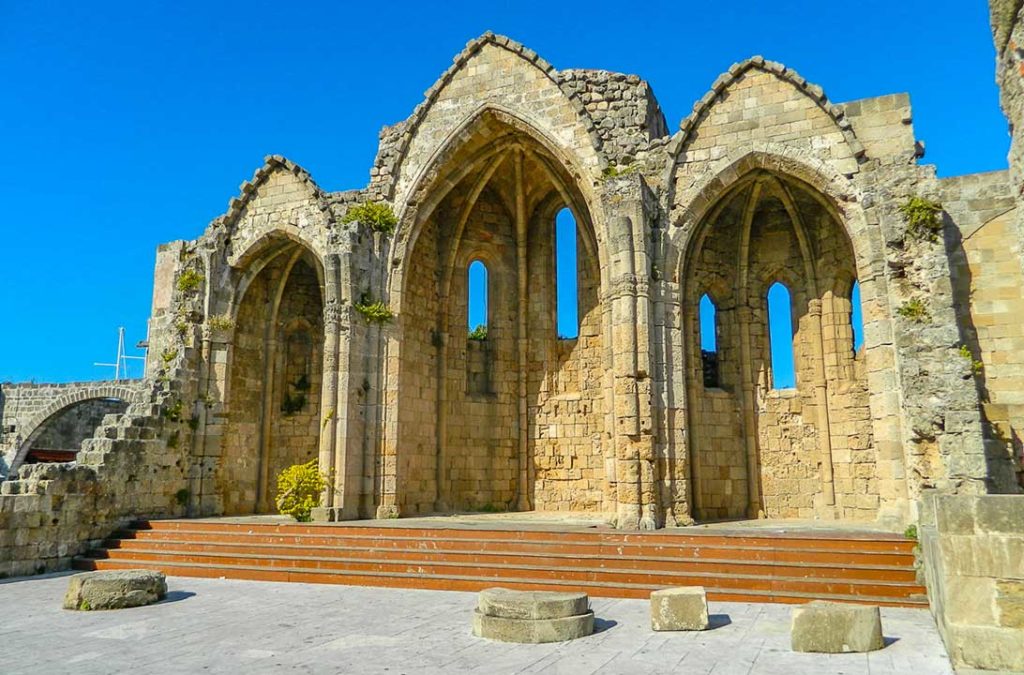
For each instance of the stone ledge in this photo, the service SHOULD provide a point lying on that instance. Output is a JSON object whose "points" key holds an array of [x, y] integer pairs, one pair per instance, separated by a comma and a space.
{"points": [[532, 631], [508, 604]]}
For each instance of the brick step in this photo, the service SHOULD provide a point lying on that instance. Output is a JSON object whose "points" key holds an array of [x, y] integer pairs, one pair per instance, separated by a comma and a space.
{"points": [[505, 571], [698, 564], [641, 548], [476, 583], [860, 542]]}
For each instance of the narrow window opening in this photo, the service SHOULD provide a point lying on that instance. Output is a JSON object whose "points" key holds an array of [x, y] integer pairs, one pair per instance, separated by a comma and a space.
{"points": [[856, 317], [566, 272], [477, 301], [708, 314], [780, 336]]}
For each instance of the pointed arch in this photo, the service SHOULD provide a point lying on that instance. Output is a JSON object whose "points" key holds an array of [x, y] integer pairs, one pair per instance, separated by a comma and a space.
{"points": [[482, 143], [707, 312], [477, 300], [566, 275], [780, 336], [398, 140]]}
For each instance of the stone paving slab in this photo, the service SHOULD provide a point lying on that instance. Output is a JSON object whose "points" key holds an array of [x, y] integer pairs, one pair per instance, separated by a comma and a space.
{"points": [[227, 626]]}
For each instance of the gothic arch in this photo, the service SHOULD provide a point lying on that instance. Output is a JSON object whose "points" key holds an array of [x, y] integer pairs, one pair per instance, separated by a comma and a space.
{"points": [[498, 165], [392, 156], [759, 182], [486, 135]]}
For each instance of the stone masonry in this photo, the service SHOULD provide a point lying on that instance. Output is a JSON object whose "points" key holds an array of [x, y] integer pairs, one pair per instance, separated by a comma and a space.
{"points": [[298, 327]]}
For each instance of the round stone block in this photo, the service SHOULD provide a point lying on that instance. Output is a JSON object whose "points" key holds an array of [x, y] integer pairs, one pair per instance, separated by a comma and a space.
{"points": [[508, 604], [836, 628], [532, 631], [114, 589]]}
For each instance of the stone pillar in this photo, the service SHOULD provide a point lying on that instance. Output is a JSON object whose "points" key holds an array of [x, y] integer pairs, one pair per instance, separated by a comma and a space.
{"points": [[820, 385], [522, 340], [329, 390], [745, 318], [622, 297]]}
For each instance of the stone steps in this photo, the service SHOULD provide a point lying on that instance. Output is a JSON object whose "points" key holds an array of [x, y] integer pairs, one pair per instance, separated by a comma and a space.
{"points": [[693, 563], [603, 563]]}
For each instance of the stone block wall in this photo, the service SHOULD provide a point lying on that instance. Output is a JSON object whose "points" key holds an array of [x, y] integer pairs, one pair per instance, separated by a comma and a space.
{"points": [[136, 465], [626, 115], [988, 285], [67, 430], [28, 409], [972, 551]]}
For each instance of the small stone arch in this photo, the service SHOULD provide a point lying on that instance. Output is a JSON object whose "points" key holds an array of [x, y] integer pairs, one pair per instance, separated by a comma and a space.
{"points": [[37, 423]]}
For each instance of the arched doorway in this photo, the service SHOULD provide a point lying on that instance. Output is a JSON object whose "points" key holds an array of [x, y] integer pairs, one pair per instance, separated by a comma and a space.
{"points": [[787, 431], [512, 419], [59, 437], [275, 376]]}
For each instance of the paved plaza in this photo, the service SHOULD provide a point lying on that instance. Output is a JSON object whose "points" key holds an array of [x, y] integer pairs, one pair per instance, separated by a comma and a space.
{"points": [[220, 626]]}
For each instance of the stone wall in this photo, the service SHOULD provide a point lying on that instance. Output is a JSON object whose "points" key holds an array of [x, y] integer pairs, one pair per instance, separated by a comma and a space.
{"points": [[136, 465], [26, 407], [626, 115], [972, 550], [989, 288], [66, 430]]}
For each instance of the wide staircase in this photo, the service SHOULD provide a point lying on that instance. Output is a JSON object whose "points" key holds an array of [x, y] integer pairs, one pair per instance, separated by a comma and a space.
{"points": [[749, 567]]}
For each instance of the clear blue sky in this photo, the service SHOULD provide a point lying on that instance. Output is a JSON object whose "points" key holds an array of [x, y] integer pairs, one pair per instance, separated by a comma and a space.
{"points": [[129, 124]]}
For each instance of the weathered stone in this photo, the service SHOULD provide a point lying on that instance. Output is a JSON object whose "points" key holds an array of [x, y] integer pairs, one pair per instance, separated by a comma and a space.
{"points": [[835, 628], [533, 631], [509, 604], [114, 589], [679, 609]]}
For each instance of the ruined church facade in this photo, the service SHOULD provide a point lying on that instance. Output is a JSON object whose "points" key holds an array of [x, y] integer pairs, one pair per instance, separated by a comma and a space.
{"points": [[313, 335], [304, 324]]}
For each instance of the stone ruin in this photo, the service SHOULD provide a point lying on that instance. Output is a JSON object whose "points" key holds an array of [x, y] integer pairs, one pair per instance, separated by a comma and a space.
{"points": [[309, 324]]}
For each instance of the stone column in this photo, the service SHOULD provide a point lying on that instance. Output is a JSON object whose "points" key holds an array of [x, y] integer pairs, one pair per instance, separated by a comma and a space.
{"points": [[523, 484], [622, 297], [820, 385], [744, 312], [329, 390]]}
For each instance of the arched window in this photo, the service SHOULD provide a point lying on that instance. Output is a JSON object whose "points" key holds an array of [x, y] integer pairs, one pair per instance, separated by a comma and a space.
{"points": [[780, 336], [708, 314], [856, 317], [477, 300], [566, 270]]}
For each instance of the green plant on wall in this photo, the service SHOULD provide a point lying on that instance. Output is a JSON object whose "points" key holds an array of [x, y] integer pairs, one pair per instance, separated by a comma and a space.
{"points": [[173, 410], [221, 322], [190, 281], [615, 171], [965, 353], [923, 217], [479, 333], [181, 497], [374, 311], [914, 310], [298, 490], [295, 398], [293, 402], [377, 216]]}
